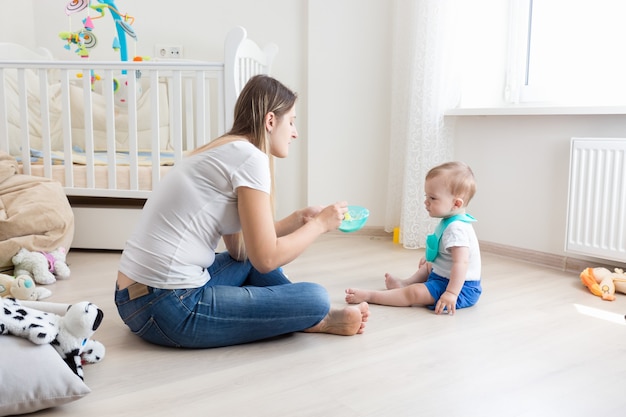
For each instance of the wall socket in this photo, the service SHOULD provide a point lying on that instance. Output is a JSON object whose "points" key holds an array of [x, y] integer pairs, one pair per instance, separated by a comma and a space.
{"points": [[168, 51]]}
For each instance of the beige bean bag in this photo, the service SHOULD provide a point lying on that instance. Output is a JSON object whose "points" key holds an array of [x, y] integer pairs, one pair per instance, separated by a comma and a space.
{"points": [[34, 213]]}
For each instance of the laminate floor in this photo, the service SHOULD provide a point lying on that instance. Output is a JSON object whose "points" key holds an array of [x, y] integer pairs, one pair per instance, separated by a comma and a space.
{"points": [[537, 344]]}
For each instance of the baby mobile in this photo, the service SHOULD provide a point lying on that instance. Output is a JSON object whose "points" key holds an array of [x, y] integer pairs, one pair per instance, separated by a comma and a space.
{"points": [[85, 39]]}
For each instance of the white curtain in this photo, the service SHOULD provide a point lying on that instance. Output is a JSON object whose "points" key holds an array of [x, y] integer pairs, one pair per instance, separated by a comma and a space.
{"points": [[422, 88]]}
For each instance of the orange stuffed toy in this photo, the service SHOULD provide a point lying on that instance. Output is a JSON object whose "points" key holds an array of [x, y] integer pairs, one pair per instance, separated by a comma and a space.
{"points": [[604, 283]]}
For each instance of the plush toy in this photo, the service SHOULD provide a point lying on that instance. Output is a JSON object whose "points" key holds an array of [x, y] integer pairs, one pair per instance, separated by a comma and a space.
{"points": [[69, 334], [44, 267], [604, 283], [22, 288]]}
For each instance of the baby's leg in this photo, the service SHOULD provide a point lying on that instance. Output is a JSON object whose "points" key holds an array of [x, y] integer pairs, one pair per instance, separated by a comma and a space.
{"points": [[421, 275], [355, 296], [414, 294], [392, 282]]}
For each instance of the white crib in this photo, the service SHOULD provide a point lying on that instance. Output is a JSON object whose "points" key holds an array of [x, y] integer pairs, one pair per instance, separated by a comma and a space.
{"points": [[108, 131]]}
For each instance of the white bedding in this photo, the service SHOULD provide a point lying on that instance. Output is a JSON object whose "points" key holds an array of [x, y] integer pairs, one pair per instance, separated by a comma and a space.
{"points": [[101, 175], [77, 114]]}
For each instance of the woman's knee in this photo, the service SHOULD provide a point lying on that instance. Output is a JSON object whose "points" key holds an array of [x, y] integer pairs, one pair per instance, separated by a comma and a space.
{"points": [[316, 295]]}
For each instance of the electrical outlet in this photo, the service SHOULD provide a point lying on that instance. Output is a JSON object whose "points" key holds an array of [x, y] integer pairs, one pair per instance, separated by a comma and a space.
{"points": [[168, 51]]}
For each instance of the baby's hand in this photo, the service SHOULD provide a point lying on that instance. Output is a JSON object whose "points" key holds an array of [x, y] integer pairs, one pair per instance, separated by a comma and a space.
{"points": [[446, 301]]}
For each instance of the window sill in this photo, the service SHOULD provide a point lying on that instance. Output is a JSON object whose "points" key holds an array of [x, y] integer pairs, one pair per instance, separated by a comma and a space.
{"points": [[537, 110]]}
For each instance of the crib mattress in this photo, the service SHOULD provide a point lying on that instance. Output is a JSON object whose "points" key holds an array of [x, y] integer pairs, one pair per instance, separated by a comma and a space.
{"points": [[101, 178]]}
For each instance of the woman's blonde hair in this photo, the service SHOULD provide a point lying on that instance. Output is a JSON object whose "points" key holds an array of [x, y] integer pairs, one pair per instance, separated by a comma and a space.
{"points": [[459, 179], [260, 96]]}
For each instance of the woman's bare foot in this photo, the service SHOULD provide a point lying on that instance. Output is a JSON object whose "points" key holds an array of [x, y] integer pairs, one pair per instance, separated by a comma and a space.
{"points": [[392, 282], [354, 296], [345, 321]]}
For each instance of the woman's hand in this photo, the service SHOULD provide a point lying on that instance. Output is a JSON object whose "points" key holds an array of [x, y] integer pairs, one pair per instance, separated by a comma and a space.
{"points": [[309, 213], [296, 220], [331, 216], [271, 244]]}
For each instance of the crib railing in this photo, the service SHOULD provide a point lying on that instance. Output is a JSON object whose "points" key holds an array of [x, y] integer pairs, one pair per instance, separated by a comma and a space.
{"points": [[61, 108]]}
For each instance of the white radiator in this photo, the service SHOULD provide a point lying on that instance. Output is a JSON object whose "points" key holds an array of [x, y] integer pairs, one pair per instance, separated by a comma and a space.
{"points": [[596, 215]]}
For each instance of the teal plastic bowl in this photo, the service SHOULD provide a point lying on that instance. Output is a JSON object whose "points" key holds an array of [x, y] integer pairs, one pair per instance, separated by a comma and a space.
{"points": [[356, 219]]}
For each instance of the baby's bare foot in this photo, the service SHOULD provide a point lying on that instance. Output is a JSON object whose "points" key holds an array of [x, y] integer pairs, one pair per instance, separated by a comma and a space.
{"points": [[392, 282], [355, 296], [346, 321]]}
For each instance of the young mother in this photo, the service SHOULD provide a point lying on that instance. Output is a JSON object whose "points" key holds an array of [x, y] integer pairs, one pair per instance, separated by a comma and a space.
{"points": [[174, 290]]}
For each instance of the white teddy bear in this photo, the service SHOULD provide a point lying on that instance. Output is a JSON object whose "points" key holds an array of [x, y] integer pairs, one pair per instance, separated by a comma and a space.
{"points": [[43, 267]]}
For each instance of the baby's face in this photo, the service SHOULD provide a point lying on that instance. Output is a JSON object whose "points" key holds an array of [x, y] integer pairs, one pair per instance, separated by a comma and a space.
{"points": [[439, 201]]}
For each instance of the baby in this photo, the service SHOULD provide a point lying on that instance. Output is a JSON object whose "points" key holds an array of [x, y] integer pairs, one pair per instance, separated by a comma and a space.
{"points": [[449, 276]]}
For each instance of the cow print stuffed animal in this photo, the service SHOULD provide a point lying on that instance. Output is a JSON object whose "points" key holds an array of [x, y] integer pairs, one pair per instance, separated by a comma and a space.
{"points": [[69, 334]]}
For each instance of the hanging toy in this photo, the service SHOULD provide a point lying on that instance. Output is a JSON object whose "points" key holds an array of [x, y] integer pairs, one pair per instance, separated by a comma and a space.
{"points": [[76, 6], [123, 25], [85, 40], [93, 78]]}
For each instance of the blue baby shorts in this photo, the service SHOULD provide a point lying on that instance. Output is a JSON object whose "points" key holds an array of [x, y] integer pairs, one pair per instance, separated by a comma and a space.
{"points": [[470, 293]]}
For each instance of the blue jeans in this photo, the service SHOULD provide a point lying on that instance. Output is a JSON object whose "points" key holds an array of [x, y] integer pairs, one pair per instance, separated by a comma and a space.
{"points": [[237, 305]]}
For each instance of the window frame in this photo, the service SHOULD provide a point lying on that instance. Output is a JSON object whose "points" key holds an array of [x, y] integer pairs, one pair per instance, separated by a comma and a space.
{"points": [[520, 90]]}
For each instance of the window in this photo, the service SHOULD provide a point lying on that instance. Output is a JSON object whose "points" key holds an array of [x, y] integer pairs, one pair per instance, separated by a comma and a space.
{"points": [[575, 51]]}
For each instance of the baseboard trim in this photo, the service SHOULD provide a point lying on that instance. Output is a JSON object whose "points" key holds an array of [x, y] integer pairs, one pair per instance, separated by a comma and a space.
{"points": [[560, 262], [370, 231]]}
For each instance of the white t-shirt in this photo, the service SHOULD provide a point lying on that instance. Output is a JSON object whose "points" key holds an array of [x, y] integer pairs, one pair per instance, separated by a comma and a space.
{"points": [[458, 233], [192, 207]]}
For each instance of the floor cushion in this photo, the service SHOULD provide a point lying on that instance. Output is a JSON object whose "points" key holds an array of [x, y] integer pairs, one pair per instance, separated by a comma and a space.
{"points": [[34, 377], [34, 213]]}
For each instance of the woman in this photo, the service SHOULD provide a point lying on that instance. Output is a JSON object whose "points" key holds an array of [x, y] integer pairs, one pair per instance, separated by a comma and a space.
{"points": [[174, 290]]}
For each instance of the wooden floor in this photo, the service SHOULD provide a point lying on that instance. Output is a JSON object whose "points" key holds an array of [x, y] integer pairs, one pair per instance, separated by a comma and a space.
{"points": [[537, 344]]}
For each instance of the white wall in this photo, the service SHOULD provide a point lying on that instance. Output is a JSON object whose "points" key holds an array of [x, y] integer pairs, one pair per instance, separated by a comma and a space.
{"points": [[16, 22], [349, 52], [522, 165]]}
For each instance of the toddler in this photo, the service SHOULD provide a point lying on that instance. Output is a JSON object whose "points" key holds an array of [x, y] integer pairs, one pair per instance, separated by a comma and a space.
{"points": [[449, 276]]}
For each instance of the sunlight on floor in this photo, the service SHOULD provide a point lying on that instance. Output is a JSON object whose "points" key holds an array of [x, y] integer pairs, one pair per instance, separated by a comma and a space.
{"points": [[601, 314]]}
